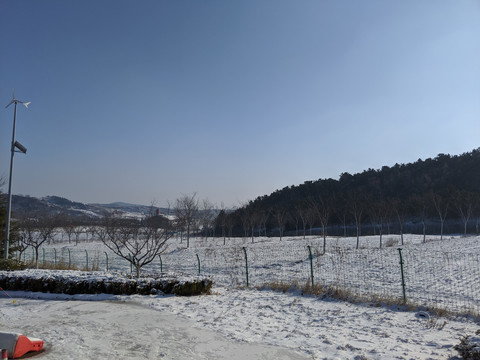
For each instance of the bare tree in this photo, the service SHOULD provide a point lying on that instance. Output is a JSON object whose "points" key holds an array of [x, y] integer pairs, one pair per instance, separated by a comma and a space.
{"points": [[36, 232], [357, 209], [296, 218], [322, 211], [91, 229], [207, 216], [137, 242], [222, 222], [400, 210], [302, 210], [263, 216], [342, 213], [78, 230], [229, 223], [420, 203], [186, 211], [378, 215], [464, 204], [67, 227], [281, 216], [441, 206], [245, 219], [252, 221], [21, 245]]}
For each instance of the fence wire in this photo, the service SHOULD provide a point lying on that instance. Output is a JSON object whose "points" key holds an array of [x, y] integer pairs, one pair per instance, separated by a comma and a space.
{"points": [[444, 280]]}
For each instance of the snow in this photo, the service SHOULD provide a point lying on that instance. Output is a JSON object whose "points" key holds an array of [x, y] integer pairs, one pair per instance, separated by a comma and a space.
{"points": [[226, 325], [235, 322]]}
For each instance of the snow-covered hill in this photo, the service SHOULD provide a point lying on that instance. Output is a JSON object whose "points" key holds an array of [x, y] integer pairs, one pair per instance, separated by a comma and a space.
{"points": [[54, 205]]}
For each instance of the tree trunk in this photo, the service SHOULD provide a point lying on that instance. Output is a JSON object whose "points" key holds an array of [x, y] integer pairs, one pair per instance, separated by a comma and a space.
{"points": [[381, 235], [358, 236], [324, 239]]}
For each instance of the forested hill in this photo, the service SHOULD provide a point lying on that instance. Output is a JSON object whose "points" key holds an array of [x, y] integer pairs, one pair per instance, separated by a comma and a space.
{"points": [[428, 187], [443, 175]]}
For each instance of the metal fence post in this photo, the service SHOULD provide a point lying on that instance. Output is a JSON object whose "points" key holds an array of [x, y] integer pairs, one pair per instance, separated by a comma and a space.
{"points": [[246, 263], [161, 264], [198, 260], [311, 264], [69, 259], [403, 275], [106, 257], [86, 254], [55, 257], [43, 252]]}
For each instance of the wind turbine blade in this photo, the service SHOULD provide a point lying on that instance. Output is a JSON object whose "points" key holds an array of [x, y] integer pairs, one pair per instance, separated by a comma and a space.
{"points": [[10, 103], [26, 104]]}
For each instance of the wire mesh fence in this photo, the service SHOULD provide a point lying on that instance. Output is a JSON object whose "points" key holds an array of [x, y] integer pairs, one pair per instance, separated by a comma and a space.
{"points": [[444, 280]]}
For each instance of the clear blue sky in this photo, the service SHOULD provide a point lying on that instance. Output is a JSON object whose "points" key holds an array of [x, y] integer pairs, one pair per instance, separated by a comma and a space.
{"points": [[140, 100]]}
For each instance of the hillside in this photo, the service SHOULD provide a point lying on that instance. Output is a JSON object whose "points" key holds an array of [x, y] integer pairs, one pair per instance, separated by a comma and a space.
{"points": [[54, 205], [442, 188]]}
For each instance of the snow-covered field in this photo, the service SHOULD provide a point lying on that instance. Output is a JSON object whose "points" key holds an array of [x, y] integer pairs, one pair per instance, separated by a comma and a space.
{"points": [[438, 273], [239, 322]]}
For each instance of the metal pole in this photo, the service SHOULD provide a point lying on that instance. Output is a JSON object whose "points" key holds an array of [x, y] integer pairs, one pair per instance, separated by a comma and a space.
{"points": [[403, 276], [9, 203], [198, 260], [106, 257], [246, 264], [310, 256]]}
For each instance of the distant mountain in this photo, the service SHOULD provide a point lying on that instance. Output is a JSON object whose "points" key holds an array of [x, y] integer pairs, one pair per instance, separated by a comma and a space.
{"points": [[55, 205]]}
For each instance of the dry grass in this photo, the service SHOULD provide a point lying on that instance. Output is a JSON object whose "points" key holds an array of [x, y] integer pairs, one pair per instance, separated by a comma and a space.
{"points": [[390, 242], [280, 286], [52, 266], [64, 266], [343, 294]]}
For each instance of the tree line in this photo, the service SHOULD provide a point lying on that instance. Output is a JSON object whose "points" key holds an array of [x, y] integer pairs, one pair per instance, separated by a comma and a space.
{"points": [[427, 193], [137, 240]]}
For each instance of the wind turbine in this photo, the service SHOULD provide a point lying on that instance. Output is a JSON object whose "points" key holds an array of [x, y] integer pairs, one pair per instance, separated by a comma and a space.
{"points": [[16, 101], [23, 149]]}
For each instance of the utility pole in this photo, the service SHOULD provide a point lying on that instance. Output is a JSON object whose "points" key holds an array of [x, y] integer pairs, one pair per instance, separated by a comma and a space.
{"points": [[21, 148]]}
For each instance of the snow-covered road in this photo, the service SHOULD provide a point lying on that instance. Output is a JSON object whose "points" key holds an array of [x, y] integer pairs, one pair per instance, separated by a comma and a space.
{"points": [[122, 330], [230, 324]]}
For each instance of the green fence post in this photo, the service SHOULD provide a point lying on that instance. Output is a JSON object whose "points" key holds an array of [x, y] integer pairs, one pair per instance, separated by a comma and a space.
{"points": [[43, 252], [69, 258], [403, 276], [198, 260], [131, 265], [161, 264], [246, 263], [106, 257], [310, 256], [55, 257], [86, 255]]}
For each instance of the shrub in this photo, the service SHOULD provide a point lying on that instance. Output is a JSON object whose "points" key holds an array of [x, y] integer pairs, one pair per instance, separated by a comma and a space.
{"points": [[77, 282], [469, 347], [12, 264]]}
